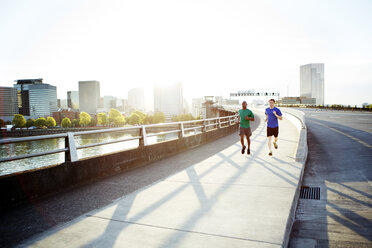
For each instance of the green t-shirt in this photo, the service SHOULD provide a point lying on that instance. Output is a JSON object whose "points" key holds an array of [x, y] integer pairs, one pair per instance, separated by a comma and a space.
{"points": [[243, 122]]}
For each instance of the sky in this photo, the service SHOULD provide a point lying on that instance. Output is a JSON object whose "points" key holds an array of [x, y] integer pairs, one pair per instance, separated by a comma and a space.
{"points": [[213, 47]]}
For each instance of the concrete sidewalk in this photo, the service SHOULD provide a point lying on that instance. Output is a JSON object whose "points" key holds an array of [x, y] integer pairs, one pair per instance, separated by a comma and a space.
{"points": [[225, 200]]}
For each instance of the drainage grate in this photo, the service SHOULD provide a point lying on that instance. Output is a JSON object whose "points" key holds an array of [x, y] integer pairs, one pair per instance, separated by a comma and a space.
{"points": [[312, 193]]}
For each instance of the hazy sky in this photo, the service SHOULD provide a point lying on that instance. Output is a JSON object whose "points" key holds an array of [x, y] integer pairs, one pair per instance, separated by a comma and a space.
{"points": [[213, 47]]}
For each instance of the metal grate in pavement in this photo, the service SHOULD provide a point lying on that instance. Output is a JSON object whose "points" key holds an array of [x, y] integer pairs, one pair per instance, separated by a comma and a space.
{"points": [[312, 193]]}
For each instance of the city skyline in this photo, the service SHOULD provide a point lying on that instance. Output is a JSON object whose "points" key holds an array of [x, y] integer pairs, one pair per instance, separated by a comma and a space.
{"points": [[223, 48]]}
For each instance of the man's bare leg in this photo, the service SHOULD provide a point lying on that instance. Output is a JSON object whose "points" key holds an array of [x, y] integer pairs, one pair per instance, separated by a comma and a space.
{"points": [[249, 145], [269, 145], [242, 142], [275, 140]]}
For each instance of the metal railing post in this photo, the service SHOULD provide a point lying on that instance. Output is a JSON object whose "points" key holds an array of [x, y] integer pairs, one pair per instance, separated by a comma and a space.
{"points": [[143, 139], [71, 153], [204, 129], [182, 133]]}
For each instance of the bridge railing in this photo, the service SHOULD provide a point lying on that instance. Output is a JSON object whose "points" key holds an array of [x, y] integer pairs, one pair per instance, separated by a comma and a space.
{"points": [[70, 149]]}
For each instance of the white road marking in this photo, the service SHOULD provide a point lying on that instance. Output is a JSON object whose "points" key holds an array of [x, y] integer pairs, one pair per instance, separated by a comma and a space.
{"points": [[347, 135]]}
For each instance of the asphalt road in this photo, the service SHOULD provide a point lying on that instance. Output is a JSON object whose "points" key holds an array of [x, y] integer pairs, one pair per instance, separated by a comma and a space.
{"points": [[340, 163]]}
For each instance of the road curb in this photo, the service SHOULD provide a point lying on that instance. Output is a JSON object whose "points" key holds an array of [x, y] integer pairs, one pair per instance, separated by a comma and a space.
{"points": [[296, 117]]}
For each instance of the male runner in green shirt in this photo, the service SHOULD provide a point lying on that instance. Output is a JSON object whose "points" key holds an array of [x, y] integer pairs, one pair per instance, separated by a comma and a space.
{"points": [[245, 116]]}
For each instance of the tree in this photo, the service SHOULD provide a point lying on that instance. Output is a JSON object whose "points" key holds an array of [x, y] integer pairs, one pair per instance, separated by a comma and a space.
{"points": [[40, 122], [30, 122], [120, 120], [50, 122], [159, 117], [2, 123], [116, 117], [19, 120], [184, 117], [84, 119], [149, 119], [75, 123], [93, 122], [102, 119], [141, 115], [134, 119], [66, 122]]}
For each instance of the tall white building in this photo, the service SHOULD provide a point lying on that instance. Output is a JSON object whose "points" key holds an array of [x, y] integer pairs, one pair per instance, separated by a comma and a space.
{"points": [[312, 82], [136, 99], [168, 98], [89, 96], [35, 98]]}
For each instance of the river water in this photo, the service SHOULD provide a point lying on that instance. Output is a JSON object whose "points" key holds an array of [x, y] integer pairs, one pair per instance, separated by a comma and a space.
{"points": [[17, 149]]}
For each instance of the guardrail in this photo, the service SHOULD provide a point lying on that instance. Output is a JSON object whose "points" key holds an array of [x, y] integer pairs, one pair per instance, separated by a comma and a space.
{"points": [[70, 149]]}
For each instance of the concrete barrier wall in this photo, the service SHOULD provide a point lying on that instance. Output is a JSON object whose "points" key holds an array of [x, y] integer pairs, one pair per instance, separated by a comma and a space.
{"points": [[298, 119], [30, 185]]}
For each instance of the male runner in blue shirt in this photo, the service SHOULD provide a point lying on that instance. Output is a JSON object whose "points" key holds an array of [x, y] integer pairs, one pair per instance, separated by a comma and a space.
{"points": [[272, 116]]}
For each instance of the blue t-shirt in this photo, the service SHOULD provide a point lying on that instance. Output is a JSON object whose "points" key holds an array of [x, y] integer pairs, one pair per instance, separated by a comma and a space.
{"points": [[272, 119]]}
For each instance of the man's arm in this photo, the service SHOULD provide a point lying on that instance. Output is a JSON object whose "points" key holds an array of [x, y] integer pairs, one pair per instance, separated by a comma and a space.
{"points": [[277, 116], [266, 118], [251, 118]]}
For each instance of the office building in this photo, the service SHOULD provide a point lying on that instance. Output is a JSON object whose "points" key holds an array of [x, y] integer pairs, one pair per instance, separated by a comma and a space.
{"points": [[197, 106], [136, 99], [297, 101], [62, 103], [168, 98], [109, 102], [8, 102], [89, 96], [35, 98], [73, 99], [312, 82]]}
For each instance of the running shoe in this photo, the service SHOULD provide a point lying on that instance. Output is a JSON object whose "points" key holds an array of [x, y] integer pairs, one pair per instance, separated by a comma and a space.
{"points": [[275, 145], [243, 149], [249, 151], [270, 153]]}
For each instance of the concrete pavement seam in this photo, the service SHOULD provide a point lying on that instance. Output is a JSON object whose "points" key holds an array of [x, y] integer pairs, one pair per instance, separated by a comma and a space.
{"points": [[232, 184], [182, 230]]}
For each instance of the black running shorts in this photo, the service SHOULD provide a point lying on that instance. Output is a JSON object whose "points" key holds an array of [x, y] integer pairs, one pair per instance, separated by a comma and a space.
{"points": [[272, 131]]}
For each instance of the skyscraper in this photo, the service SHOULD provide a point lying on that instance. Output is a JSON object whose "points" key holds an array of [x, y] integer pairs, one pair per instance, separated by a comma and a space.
{"points": [[35, 98], [312, 82], [168, 98], [89, 96], [136, 98], [197, 106], [73, 99], [109, 102], [8, 101]]}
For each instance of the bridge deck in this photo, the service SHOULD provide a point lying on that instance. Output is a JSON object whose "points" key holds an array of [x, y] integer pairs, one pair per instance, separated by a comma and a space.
{"points": [[224, 200]]}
